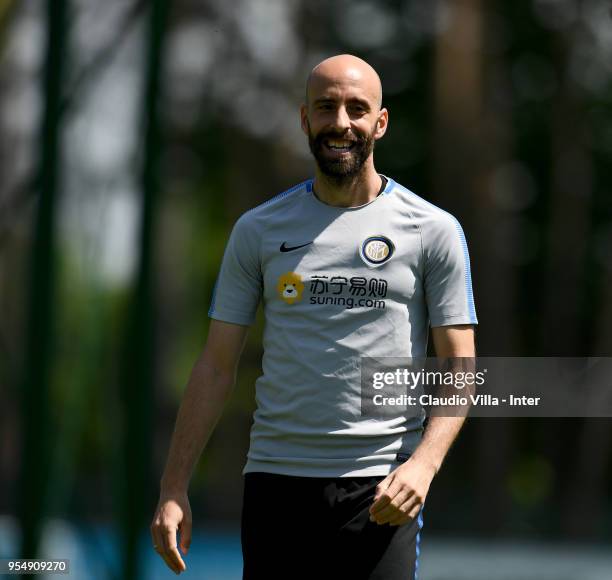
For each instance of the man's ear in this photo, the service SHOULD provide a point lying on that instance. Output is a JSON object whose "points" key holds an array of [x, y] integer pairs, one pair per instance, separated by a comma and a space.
{"points": [[381, 124], [304, 118]]}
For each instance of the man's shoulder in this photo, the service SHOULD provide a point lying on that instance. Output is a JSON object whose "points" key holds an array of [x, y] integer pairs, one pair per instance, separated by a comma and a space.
{"points": [[417, 202], [424, 211], [276, 206]]}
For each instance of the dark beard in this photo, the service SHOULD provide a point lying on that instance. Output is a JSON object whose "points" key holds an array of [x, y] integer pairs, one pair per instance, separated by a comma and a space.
{"points": [[341, 170]]}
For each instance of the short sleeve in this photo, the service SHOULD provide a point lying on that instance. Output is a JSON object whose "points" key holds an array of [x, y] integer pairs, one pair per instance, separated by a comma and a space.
{"points": [[447, 275], [239, 285]]}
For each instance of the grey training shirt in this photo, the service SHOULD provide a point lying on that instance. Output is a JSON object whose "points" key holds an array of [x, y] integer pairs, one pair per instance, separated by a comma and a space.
{"points": [[337, 284]]}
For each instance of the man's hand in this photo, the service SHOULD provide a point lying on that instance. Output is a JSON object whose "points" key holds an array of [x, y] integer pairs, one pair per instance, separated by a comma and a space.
{"points": [[173, 514], [400, 496]]}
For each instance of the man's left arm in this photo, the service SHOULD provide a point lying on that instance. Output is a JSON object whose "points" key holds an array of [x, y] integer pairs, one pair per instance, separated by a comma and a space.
{"points": [[401, 495]]}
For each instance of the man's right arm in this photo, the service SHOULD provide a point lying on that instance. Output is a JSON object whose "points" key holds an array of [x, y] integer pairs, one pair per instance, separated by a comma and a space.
{"points": [[210, 384]]}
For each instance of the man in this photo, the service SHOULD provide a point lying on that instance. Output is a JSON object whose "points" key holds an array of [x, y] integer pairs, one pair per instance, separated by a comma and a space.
{"points": [[348, 264]]}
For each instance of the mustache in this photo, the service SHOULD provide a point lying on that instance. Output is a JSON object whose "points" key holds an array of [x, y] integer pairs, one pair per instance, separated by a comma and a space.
{"points": [[335, 135]]}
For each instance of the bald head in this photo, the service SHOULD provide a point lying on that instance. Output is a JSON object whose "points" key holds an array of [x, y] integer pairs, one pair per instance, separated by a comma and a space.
{"points": [[344, 70], [343, 117]]}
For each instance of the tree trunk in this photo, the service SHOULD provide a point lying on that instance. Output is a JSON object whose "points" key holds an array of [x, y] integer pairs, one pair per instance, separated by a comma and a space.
{"points": [[138, 365], [37, 443], [471, 141]]}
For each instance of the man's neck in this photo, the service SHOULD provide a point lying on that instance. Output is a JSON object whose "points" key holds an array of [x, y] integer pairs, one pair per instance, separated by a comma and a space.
{"points": [[361, 189]]}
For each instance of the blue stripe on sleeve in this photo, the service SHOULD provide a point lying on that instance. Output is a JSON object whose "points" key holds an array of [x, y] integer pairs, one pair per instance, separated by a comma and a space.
{"points": [[468, 273], [212, 300]]}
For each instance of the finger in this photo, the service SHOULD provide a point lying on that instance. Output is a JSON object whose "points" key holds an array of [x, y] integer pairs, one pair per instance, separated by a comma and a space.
{"points": [[401, 497], [409, 502], [390, 494], [407, 517], [414, 512], [158, 542], [178, 565], [382, 487], [160, 549], [396, 508], [168, 561], [404, 516], [385, 492], [158, 545], [171, 552], [411, 507], [384, 515], [406, 512], [185, 533]]}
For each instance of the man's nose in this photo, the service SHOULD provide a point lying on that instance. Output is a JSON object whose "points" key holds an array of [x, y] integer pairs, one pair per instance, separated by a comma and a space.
{"points": [[342, 121]]}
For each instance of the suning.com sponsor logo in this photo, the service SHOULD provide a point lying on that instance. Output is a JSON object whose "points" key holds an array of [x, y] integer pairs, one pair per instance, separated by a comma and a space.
{"points": [[349, 292]]}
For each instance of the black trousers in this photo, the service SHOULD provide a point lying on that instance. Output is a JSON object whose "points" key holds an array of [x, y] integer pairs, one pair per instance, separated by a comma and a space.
{"points": [[318, 528]]}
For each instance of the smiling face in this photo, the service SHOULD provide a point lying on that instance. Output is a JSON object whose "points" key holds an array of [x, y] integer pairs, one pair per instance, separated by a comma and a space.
{"points": [[342, 116]]}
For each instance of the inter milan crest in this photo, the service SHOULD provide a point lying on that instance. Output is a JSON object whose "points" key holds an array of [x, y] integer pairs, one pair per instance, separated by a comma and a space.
{"points": [[376, 250]]}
